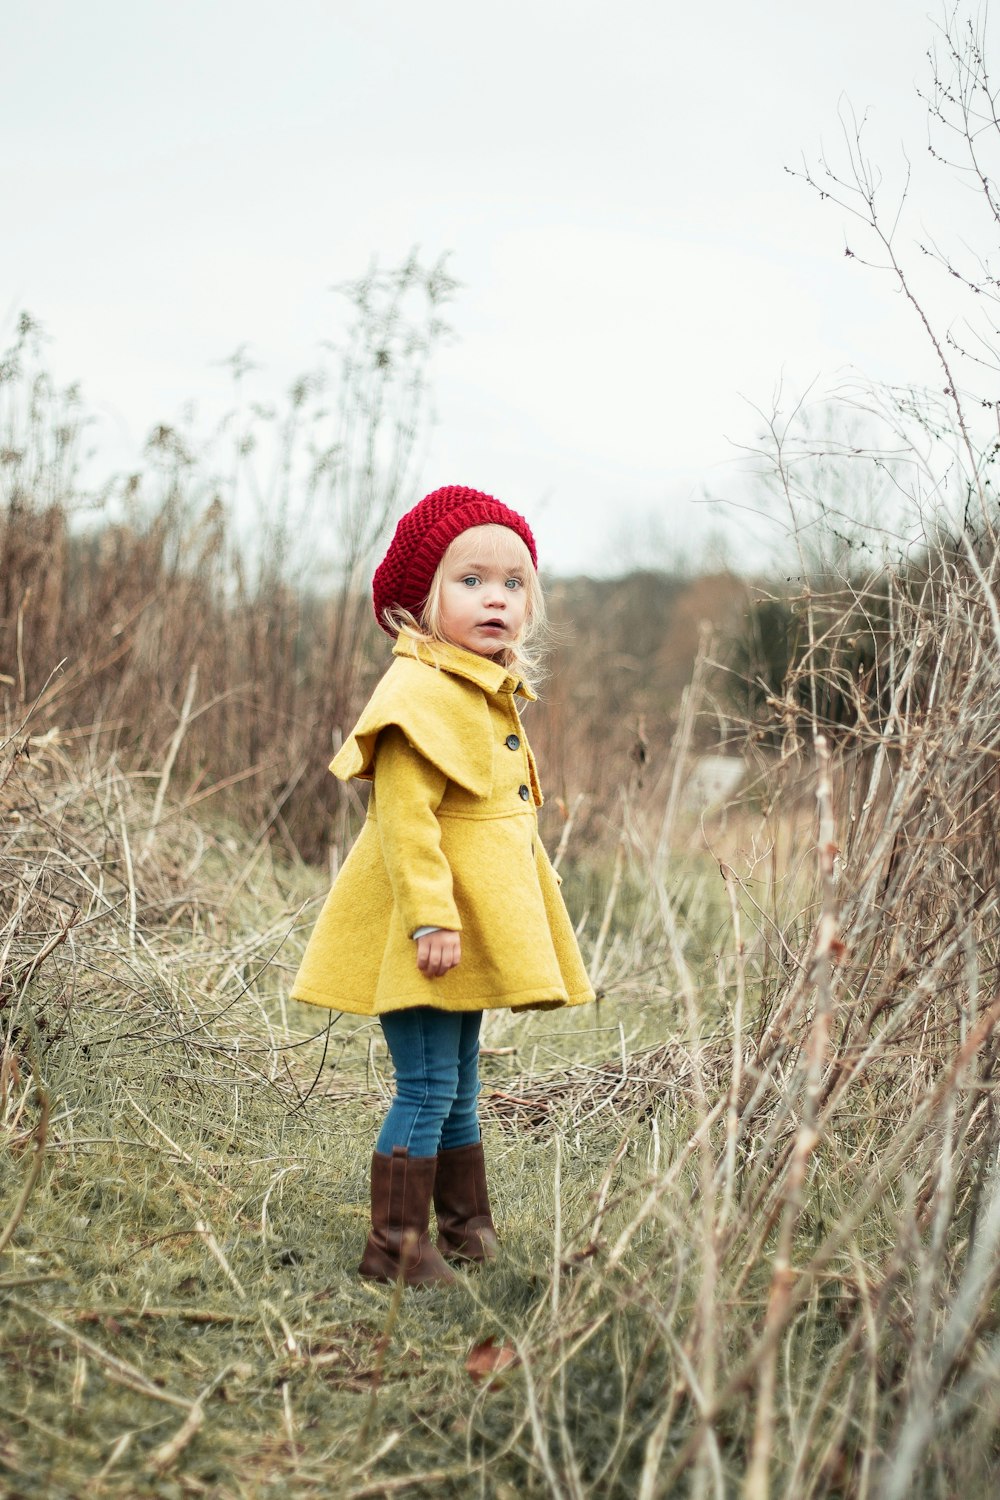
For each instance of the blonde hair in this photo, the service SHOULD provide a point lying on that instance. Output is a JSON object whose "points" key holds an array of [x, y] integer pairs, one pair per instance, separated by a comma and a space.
{"points": [[523, 658]]}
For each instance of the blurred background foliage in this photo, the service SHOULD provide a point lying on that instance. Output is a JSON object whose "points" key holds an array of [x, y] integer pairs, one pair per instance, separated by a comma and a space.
{"points": [[194, 603]]}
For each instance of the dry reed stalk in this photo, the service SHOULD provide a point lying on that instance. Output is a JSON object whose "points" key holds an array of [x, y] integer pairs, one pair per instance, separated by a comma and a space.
{"points": [[567, 831], [96, 1313], [596, 970], [981, 1275], [736, 1082], [680, 749], [538, 1426], [213, 1247], [168, 762], [378, 1367], [556, 1224], [118, 1452], [39, 1138], [26, 974], [132, 906], [827, 946], [168, 1452], [424, 1481]]}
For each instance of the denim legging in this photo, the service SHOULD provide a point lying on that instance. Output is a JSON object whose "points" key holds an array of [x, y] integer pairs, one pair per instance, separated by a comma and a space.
{"points": [[436, 1057]]}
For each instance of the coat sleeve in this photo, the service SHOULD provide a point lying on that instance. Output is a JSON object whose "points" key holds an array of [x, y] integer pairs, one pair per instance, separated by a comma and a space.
{"points": [[408, 792]]}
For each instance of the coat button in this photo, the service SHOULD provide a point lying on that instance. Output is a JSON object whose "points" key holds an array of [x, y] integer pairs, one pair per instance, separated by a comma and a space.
{"points": [[524, 792], [512, 742]]}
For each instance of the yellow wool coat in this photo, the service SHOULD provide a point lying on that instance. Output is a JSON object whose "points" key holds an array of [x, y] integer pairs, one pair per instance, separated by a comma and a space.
{"points": [[451, 840]]}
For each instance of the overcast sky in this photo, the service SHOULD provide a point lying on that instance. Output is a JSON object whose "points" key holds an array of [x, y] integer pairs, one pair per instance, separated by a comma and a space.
{"points": [[637, 266]]}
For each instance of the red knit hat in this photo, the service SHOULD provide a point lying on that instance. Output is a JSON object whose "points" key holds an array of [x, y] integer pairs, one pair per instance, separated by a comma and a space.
{"points": [[403, 577]]}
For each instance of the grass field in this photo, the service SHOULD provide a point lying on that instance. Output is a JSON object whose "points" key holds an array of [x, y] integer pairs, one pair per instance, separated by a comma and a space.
{"points": [[748, 1202]]}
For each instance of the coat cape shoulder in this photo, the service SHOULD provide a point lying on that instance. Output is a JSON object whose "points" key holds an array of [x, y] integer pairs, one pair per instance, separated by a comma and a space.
{"points": [[443, 716]]}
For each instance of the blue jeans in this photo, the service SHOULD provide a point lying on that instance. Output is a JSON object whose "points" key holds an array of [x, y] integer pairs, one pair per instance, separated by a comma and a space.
{"points": [[436, 1057]]}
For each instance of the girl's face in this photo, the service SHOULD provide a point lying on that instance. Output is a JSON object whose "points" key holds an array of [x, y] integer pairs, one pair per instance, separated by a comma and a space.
{"points": [[483, 598]]}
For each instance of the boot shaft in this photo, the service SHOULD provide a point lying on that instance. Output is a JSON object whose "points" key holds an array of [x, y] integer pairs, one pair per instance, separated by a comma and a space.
{"points": [[399, 1243], [466, 1231]]}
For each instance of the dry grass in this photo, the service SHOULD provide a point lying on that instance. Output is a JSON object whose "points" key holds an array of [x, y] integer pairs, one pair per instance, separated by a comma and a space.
{"points": [[202, 618], [750, 1207]]}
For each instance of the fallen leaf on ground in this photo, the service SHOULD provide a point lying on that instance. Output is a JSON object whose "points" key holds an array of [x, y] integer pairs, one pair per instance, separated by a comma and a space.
{"points": [[490, 1357]]}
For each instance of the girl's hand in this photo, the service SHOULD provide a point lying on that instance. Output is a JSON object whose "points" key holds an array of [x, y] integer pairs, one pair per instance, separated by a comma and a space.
{"points": [[437, 952]]}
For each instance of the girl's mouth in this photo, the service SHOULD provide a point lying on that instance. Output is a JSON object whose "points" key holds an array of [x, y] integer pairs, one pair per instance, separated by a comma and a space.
{"points": [[492, 625]]}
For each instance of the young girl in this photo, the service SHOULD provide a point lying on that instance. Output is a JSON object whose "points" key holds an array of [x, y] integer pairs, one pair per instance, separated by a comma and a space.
{"points": [[447, 904]]}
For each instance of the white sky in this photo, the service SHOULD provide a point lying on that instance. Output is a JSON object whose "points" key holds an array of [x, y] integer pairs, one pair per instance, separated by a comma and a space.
{"points": [[179, 179]]}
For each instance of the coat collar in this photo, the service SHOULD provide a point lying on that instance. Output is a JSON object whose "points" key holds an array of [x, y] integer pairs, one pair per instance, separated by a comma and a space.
{"points": [[491, 676]]}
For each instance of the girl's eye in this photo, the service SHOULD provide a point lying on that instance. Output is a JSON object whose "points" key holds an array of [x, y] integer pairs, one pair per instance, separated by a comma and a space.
{"points": [[471, 580], [513, 583]]}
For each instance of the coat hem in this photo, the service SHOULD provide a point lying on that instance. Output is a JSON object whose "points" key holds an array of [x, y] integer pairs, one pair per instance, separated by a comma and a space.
{"points": [[539, 999]]}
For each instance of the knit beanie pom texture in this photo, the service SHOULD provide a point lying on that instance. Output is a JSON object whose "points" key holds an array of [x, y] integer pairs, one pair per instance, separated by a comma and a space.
{"points": [[403, 577]]}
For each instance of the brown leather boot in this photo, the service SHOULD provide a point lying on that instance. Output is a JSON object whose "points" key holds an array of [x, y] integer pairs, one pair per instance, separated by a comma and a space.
{"points": [[466, 1231], [399, 1244]]}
